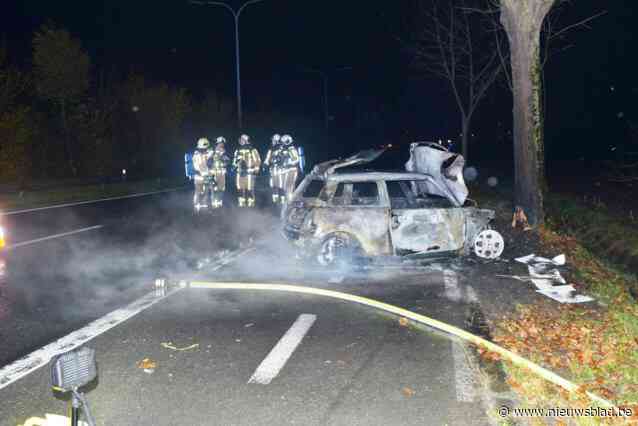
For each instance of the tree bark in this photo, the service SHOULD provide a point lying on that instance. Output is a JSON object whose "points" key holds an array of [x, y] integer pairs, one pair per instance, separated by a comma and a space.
{"points": [[523, 28]]}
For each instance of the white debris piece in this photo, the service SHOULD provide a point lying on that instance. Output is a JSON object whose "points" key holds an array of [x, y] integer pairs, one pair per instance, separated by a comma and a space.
{"points": [[544, 274], [542, 283], [533, 259], [540, 273], [565, 294]]}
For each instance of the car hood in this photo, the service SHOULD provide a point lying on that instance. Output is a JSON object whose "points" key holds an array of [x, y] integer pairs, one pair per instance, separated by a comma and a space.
{"points": [[361, 157], [446, 168]]}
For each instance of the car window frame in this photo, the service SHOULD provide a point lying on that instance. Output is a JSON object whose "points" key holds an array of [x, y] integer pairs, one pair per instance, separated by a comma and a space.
{"points": [[317, 197], [348, 191]]}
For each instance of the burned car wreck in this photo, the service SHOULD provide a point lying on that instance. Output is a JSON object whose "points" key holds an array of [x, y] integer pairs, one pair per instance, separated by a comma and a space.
{"points": [[337, 216]]}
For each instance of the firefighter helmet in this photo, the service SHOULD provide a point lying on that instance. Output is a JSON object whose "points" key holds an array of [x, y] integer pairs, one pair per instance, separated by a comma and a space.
{"points": [[203, 143], [286, 139]]}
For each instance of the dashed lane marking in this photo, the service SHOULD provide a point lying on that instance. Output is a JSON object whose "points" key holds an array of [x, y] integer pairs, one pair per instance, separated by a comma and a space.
{"points": [[463, 377], [41, 357], [51, 237], [279, 355]]}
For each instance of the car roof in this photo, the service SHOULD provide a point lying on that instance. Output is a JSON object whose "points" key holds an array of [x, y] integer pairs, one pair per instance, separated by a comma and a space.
{"points": [[376, 176]]}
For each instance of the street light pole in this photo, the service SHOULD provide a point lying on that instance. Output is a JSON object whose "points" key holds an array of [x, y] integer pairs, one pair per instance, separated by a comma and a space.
{"points": [[324, 77], [236, 15]]}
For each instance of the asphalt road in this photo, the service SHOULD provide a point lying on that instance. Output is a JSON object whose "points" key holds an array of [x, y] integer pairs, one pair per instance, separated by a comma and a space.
{"points": [[353, 366]]}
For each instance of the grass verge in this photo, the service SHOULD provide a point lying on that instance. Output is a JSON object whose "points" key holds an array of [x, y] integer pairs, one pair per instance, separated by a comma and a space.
{"points": [[41, 198], [593, 345]]}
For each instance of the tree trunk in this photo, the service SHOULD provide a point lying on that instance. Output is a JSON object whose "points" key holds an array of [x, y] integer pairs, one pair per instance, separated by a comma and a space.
{"points": [[524, 38]]}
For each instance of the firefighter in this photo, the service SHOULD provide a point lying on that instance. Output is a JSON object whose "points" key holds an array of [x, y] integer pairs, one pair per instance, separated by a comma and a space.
{"points": [[219, 165], [246, 163], [290, 164], [272, 164], [203, 179]]}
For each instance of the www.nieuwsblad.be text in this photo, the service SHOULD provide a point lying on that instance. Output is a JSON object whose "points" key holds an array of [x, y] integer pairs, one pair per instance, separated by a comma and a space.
{"points": [[505, 411]]}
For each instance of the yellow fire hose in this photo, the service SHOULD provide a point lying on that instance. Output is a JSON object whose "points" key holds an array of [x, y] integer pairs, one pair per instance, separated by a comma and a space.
{"points": [[455, 331]]}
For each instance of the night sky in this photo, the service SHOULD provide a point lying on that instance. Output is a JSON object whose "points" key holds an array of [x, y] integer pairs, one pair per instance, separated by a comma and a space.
{"points": [[588, 85]]}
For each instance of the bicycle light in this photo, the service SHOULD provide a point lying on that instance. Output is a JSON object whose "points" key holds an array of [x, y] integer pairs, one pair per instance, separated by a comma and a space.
{"points": [[73, 369]]}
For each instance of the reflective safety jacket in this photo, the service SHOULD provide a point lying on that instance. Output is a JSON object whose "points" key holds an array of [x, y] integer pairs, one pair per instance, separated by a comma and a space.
{"points": [[247, 160], [289, 158], [202, 161], [273, 157], [219, 162]]}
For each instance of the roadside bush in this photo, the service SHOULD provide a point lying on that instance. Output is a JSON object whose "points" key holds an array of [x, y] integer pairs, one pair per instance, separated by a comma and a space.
{"points": [[17, 132]]}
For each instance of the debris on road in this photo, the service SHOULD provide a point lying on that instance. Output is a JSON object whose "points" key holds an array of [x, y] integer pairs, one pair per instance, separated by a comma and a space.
{"points": [[169, 345], [148, 365], [543, 273], [516, 277], [565, 294], [409, 392], [336, 279], [403, 322], [250, 324], [533, 259]]}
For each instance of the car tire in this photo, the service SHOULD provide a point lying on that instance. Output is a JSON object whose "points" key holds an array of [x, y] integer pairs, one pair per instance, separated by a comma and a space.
{"points": [[337, 250]]}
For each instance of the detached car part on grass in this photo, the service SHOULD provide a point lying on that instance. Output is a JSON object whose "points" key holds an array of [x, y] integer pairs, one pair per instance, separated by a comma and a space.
{"points": [[336, 217]]}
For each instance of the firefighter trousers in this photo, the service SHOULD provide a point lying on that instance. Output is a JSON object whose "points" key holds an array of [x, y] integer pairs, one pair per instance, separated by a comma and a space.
{"points": [[288, 183], [246, 190]]}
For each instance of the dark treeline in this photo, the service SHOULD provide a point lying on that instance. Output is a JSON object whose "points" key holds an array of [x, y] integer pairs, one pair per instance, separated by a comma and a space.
{"points": [[63, 117]]}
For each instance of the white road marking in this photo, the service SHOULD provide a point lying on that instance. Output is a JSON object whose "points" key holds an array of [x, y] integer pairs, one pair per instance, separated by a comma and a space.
{"points": [[41, 357], [279, 355], [99, 200], [51, 237], [463, 376], [452, 290]]}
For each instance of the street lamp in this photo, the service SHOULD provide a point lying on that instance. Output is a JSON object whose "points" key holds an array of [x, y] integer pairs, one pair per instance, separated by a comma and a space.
{"points": [[324, 77], [236, 15]]}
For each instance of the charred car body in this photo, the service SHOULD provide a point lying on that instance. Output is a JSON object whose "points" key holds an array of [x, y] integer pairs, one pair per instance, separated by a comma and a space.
{"points": [[336, 216]]}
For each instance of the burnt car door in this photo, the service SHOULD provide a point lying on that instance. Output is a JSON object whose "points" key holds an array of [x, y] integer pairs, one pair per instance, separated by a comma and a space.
{"points": [[422, 222], [358, 209]]}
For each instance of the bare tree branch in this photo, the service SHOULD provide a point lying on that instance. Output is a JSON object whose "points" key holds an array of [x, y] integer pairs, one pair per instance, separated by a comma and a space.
{"points": [[450, 44]]}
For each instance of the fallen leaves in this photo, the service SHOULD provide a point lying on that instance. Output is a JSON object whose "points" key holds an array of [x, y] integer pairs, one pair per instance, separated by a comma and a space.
{"points": [[403, 322], [148, 365], [585, 344]]}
